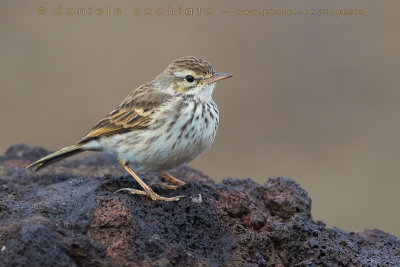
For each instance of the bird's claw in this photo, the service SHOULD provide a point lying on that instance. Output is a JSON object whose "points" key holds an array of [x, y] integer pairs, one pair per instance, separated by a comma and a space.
{"points": [[151, 194]]}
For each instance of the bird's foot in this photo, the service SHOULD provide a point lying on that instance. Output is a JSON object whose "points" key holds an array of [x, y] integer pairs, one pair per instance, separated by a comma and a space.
{"points": [[165, 186], [151, 194], [172, 179]]}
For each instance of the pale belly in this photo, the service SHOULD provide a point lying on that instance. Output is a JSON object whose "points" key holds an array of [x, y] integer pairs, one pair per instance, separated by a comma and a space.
{"points": [[176, 142]]}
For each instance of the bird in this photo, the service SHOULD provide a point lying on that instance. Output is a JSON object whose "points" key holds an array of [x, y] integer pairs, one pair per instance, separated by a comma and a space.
{"points": [[159, 126]]}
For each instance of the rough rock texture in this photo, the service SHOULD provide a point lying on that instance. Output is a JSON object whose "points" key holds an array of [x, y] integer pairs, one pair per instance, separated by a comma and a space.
{"points": [[68, 215]]}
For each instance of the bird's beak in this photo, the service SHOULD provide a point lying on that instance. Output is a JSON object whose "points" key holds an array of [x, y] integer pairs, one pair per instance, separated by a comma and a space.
{"points": [[217, 77]]}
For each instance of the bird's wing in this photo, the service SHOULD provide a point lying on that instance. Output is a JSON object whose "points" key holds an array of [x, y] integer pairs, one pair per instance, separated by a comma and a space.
{"points": [[135, 112]]}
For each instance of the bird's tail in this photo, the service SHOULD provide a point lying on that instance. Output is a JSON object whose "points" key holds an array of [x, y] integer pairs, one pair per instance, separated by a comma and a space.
{"points": [[56, 156]]}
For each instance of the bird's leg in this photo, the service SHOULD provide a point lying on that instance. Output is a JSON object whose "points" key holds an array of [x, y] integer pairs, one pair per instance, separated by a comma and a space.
{"points": [[166, 186], [172, 179], [147, 190]]}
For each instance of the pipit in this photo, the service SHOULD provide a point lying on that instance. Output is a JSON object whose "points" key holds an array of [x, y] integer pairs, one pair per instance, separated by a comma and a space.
{"points": [[159, 126]]}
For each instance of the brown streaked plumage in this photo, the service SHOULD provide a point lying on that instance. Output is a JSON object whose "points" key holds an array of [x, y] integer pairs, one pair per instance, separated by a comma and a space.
{"points": [[135, 112], [159, 125]]}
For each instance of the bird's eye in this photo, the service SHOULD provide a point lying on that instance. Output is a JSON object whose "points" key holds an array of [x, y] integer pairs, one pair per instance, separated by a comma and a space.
{"points": [[189, 78]]}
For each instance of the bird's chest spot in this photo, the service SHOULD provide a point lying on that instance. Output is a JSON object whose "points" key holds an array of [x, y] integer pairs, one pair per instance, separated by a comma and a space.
{"points": [[198, 126]]}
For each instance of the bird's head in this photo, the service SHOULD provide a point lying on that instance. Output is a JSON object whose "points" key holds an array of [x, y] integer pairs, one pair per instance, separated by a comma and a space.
{"points": [[191, 76]]}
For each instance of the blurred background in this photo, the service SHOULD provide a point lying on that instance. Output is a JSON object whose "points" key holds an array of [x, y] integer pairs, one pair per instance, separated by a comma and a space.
{"points": [[314, 98]]}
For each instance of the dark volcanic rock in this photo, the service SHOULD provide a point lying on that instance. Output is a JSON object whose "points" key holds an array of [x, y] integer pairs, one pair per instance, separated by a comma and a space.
{"points": [[69, 215]]}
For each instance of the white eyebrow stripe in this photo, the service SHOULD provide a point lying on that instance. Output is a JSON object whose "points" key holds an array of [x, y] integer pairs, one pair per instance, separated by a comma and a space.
{"points": [[184, 73]]}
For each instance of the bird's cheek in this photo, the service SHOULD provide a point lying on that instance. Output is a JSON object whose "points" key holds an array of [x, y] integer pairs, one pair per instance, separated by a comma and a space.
{"points": [[179, 87]]}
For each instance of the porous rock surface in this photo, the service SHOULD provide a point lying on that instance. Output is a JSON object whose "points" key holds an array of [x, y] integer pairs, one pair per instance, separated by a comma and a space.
{"points": [[68, 214]]}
